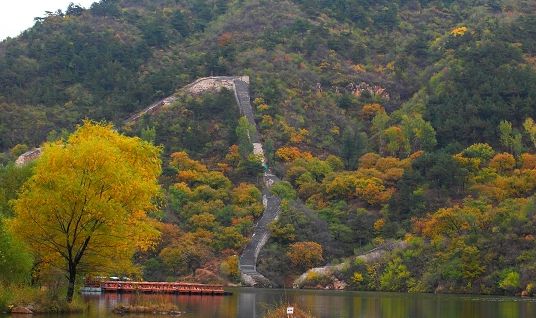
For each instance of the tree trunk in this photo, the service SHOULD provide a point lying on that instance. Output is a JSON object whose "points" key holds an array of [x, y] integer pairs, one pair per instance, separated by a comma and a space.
{"points": [[72, 282], [73, 263]]}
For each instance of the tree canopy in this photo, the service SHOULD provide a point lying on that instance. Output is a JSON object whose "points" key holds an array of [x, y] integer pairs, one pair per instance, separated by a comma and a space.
{"points": [[86, 207]]}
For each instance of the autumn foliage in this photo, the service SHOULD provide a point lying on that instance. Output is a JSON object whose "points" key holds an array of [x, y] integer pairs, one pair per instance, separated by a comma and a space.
{"points": [[370, 110], [503, 162], [292, 153], [86, 207], [305, 255], [215, 218]]}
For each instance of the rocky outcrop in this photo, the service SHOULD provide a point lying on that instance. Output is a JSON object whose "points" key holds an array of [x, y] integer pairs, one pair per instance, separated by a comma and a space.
{"points": [[28, 156], [328, 271], [19, 310]]}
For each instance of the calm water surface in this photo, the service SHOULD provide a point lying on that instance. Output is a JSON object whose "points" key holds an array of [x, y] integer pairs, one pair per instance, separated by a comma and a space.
{"points": [[252, 303]]}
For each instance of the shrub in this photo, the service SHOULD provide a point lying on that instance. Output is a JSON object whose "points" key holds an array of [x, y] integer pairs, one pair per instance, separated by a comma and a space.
{"points": [[395, 276], [284, 190], [503, 162], [510, 280], [305, 255], [482, 151], [529, 161], [314, 279], [229, 268]]}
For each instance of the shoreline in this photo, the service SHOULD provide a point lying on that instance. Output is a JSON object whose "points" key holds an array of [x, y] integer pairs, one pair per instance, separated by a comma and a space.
{"points": [[341, 291]]}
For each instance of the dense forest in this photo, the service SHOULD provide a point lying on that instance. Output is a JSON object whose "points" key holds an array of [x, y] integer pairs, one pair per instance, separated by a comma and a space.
{"points": [[387, 120]]}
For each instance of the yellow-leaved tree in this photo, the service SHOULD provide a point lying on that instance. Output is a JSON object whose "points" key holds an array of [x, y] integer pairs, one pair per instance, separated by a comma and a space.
{"points": [[85, 208]]}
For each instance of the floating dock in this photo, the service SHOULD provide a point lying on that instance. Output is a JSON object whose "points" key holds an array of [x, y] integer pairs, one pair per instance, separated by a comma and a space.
{"points": [[162, 288]]}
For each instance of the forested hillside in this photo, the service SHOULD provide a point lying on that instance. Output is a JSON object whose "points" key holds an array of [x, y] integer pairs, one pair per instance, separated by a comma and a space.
{"points": [[387, 120]]}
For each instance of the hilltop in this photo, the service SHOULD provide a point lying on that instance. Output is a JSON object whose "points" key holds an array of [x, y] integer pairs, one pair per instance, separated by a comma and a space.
{"points": [[314, 64]]}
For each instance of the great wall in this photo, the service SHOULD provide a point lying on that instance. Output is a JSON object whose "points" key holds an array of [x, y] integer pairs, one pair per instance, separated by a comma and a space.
{"points": [[240, 86]]}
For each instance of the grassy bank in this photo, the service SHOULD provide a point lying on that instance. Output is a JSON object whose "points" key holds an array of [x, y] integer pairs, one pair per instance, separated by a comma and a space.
{"points": [[36, 299]]}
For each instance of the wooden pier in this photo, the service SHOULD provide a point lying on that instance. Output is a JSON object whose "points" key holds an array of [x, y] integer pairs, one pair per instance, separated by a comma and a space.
{"points": [[162, 287]]}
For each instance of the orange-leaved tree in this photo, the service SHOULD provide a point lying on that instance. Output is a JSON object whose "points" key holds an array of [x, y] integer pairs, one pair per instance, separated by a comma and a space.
{"points": [[85, 208], [292, 153], [305, 255]]}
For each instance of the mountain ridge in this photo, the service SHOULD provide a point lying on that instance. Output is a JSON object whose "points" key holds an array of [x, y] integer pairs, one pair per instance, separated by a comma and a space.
{"points": [[386, 120]]}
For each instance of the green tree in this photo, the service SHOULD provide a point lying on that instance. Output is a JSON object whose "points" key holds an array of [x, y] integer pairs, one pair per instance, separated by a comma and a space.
{"points": [[530, 129], [284, 190], [509, 138], [379, 124], [396, 141], [148, 134], [442, 172], [481, 151], [510, 280], [467, 102], [18, 150], [395, 276], [185, 257], [11, 180], [243, 131], [419, 133], [179, 22], [15, 260], [353, 145], [269, 150]]}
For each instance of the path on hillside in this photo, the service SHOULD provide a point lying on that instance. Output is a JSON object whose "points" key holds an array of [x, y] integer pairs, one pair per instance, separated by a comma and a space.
{"points": [[272, 208]]}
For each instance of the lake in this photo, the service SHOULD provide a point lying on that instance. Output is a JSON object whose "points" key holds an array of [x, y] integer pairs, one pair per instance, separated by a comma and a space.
{"points": [[252, 303]]}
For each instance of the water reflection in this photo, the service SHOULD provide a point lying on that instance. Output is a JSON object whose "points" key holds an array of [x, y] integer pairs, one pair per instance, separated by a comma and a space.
{"points": [[253, 303], [329, 304]]}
